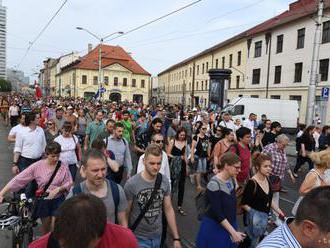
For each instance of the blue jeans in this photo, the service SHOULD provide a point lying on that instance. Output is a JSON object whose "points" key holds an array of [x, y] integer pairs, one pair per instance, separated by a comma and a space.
{"points": [[148, 243], [256, 225]]}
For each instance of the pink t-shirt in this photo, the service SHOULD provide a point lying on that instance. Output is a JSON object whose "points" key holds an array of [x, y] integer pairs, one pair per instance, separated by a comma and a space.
{"points": [[41, 172]]}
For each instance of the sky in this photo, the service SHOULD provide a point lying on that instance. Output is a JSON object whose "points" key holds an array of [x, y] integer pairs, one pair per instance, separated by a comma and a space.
{"points": [[155, 47]]}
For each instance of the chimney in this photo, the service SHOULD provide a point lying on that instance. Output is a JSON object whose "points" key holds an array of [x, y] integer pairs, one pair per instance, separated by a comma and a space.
{"points": [[90, 47]]}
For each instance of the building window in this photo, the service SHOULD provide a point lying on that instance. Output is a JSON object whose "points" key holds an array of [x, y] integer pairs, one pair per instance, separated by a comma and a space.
{"points": [[84, 79], [254, 96], [298, 72], [256, 76], [216, 63], [133, 82], [106, 80], [223, 62], [275, 97], [326, 32], [190, 71], [229, 83], [202, 85], [115, 81], [206, 84], [95, 80], [239, 58], [197, 69], [207, 66], [189, 86], [143, 83], [237, 82], [125, 82], [203, 68], [257, 49], [197, 85], [230, 60], [324, 69], [186, 73], [301, 38], [279, 47], [278, 72]]}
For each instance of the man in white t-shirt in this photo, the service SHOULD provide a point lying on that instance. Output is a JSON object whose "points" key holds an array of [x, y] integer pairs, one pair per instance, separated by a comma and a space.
{"points": [[251, 124], [18, 128], [157, 139], [227, 122]]}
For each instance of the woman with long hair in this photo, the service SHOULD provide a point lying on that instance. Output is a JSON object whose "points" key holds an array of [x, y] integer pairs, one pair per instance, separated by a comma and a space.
{"points": [[219, 226], [51, 131], [176, 150], [257, 198], [201, 151], [223, 145], [307, 145]]}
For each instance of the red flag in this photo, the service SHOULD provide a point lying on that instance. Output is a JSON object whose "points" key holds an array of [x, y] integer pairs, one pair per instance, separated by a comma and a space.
{"points": [[38, 93]]}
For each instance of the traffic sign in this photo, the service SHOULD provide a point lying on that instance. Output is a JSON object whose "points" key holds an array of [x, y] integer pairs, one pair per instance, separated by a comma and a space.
{"points": [[325, 93]]}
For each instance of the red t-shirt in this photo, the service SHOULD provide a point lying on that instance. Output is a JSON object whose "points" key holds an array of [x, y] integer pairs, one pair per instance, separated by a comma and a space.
{"points": [[114, 236], [245, 157]]}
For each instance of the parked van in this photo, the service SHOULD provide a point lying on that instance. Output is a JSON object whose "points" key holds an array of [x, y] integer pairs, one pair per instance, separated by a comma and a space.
{"points": [[284, 111]]}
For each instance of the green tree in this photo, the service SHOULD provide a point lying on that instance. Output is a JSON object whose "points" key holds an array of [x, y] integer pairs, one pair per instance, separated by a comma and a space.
{"points": [[5, 85]]}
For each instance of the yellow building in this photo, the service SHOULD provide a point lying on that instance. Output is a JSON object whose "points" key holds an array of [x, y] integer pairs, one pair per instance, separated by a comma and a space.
{"points": [[188, 81], [123, 77]]}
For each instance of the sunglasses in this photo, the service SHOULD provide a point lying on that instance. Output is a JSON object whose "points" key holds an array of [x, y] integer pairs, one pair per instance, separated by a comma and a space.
{"points": [[204, 128], [159, 141]]}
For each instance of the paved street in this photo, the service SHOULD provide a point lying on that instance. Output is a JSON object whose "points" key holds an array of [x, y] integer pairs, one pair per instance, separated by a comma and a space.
{"points": [[188, 225]]}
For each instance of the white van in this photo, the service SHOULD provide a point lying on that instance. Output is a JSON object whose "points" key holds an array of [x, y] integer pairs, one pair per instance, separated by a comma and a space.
{"points": [[284, 111]]}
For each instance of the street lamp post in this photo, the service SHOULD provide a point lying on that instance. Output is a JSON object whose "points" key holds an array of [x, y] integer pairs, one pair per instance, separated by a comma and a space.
{"points": [[101, 40]]}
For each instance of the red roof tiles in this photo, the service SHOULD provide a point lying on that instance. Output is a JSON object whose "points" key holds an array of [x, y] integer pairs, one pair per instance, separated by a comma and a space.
{"points": [[110, 55], [297, 10]]}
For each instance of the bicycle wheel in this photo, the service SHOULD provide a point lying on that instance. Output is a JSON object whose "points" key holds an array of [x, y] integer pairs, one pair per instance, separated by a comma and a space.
{"points": [[26, 238]]}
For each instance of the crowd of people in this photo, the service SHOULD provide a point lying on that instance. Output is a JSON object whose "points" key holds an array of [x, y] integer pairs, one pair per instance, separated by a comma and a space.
{"points": [[122, 169]]}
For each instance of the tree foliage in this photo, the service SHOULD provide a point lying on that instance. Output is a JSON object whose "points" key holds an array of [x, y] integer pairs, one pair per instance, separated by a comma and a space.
{"points": [[5, 85]]}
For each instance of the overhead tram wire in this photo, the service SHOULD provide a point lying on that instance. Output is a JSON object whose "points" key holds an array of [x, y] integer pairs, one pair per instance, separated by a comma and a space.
{"points": [[40, 33], [155, 20]]}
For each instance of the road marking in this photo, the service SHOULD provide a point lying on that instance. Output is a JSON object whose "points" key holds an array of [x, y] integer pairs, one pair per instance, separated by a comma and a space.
{"points": [[287, 200]]}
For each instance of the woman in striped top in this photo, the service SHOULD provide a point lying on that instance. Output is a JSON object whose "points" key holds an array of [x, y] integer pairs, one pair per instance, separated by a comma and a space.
{"points": [[41, 172]]}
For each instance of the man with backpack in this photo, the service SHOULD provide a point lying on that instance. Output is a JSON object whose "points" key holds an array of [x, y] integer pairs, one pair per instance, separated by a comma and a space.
{"points": [[148, 194], [94, 170], [120, 148]]}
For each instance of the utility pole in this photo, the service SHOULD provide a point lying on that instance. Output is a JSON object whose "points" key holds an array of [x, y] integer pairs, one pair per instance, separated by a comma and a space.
{"points": [[314, 66], [100, 67]]}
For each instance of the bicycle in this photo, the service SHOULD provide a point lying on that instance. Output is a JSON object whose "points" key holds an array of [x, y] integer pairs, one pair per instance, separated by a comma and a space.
{"points": [[18, 218]]}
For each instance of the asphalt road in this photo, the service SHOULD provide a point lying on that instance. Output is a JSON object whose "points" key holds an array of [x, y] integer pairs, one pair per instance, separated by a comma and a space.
{"points": [[188, 225]]}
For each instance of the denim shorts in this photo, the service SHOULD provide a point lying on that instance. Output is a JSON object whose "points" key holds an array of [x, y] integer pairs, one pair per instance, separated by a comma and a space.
{"points": [[149, 243], [46, 208], [202, 165]]}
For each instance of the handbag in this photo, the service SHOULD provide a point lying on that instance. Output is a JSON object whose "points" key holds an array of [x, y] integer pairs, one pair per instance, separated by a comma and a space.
{"points": [[275, 182], [146, 207]]}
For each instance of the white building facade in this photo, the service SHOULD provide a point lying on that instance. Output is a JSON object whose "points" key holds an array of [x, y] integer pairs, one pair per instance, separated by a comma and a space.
{"points": [[3, 42]]}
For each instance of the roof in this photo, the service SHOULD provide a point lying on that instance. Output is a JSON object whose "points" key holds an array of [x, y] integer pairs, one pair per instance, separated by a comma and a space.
{"points": [[110, 55], [297, 10]]}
